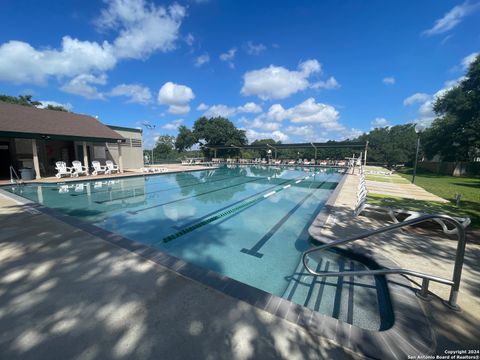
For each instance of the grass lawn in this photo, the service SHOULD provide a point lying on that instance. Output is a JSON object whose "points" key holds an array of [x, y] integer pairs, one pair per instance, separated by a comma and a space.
{"points": [[446, 187]]}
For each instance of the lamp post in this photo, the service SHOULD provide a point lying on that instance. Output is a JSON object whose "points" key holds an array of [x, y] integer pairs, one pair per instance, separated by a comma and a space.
{"points": [[151, 127], [419, 128]]}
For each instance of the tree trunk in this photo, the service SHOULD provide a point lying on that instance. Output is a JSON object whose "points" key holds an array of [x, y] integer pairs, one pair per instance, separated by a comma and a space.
{"points": [[460, 169]]}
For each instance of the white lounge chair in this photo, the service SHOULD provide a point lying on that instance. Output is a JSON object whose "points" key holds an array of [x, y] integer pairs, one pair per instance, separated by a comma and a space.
{"points": [[111, 167], [394, 214], [62, 169], [63, 189], [97, 168], [78, 168]]}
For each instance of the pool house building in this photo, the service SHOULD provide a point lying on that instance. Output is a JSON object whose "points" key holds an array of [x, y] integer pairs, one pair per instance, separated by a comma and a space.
{"points": [[32, 138]]}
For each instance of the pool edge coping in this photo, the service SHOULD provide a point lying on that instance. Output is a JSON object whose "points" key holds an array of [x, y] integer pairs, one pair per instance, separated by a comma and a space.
{"points": [[348, 336]]}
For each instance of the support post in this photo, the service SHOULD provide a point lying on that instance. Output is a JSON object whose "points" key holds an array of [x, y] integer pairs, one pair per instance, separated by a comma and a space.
{"points": [[85, 155], [315, 151], [366, 149], [36, 164], [120, 158], [416, 159]]}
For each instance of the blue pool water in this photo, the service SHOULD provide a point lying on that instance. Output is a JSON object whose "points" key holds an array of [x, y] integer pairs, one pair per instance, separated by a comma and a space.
{"points": [[248, 223]]}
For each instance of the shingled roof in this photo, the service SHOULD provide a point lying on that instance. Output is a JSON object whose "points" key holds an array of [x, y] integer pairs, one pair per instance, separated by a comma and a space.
{"points": [[30, 122]]}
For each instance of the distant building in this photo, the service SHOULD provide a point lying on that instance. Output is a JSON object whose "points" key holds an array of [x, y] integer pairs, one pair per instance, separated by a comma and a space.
{"points": [[37, 138]]}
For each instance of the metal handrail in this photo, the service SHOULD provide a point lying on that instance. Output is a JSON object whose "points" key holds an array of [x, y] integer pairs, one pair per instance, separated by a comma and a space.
{"points": [[18, 180], [457, 270]]}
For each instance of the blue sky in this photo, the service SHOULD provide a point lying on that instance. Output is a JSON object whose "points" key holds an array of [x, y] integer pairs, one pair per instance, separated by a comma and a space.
{"points": [[291, 70]]}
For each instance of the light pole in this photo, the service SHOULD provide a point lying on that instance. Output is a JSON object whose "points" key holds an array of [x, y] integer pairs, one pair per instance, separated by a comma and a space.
{"points": [[151, 127], [419, 128]]}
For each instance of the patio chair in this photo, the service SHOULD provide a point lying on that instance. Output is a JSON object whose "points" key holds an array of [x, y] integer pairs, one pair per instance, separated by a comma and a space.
{"points": [[111, 167], [62, 169], [97, 168], [78, 168]]}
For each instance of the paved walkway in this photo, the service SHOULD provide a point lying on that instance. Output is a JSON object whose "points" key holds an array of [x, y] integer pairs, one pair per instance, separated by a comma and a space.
{"points": [[409, 191], [65, 294], [428, 251]]}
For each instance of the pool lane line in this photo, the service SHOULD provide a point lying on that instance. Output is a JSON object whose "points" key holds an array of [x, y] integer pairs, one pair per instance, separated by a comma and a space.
{"points": [[249, 203], [193, 196], [254, 250], [100, 202], [181, 226]]}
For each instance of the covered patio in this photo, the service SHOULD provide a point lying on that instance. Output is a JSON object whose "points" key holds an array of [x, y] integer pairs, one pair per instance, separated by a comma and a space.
{"points": [[32, 138]]}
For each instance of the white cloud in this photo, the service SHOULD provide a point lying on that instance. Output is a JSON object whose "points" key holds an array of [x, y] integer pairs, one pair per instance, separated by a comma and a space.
{"points": [[329, 84], [135, 93], [308, 111], [390, 80], [452, 18], [189, 39], [202, 107], [467, 60], [140, 27], [304, 131], [425, 111], [143, 27], [220, 110], [416, 98], [379, 122], [45, 103], [260, 124], [255, 49], [227, 111], [277, 135], [173, 125], [202, 60], [351, 133], [81, 85], [249, 107], [229, 56], [176, 96], [21, 63], [178, 109], [276, 82]]}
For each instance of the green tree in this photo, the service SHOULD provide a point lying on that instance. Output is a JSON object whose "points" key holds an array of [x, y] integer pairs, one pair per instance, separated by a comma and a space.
{"points": [[211, 131], [185, 139], [164, 146], [263, 152], [56, 108], [455, 134], [391, 145], [25, 100]]}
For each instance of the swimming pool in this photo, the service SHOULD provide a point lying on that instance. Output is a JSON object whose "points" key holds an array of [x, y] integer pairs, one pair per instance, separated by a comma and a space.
{"points": [[246, 222]]}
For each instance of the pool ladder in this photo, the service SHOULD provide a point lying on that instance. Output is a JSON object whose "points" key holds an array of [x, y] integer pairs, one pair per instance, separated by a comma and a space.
{"points": [[454, 283], [14, 178]]}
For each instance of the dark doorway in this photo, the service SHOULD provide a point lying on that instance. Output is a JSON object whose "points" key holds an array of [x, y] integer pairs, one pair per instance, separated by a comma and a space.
{"points": [[5, 161]]}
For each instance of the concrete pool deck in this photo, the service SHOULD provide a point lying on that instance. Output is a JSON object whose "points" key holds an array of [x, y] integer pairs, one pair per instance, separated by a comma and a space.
{"points": [[170, 168], [68, 294]]}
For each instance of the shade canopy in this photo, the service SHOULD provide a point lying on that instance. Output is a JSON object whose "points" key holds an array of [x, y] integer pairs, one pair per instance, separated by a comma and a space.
{"points": [[310, 145]]}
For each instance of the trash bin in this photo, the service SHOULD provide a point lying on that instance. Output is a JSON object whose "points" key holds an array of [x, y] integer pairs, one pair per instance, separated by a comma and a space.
{"points": [[26, 173]]}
